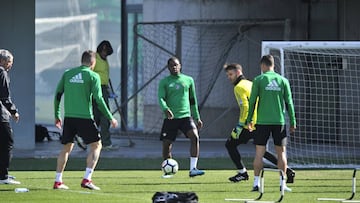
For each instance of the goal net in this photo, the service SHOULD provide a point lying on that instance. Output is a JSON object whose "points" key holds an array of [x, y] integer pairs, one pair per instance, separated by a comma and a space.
{"points": [[59, 43], [61, 40], [203, 47], [324, 78]]}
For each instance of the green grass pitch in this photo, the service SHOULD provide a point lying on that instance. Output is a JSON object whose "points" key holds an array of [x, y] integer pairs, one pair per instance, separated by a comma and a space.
{"points": [[138, 186]]}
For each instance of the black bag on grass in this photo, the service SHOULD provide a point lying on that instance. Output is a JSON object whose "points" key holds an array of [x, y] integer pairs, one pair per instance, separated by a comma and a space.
{"points": [[175, 197], [41, 132]]}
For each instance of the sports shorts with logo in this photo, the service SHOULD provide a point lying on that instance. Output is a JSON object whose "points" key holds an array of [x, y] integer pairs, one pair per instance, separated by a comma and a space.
{"points": [[85, 128], [263, 132], [171, 127]]}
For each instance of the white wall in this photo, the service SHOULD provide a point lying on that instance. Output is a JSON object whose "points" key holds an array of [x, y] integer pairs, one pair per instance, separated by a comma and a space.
{"points": [[18, 36]]}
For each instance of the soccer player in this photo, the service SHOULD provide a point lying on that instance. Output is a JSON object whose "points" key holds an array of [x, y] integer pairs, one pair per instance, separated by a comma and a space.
{"points": [[8, 110], [80, 85], [177, 99], [240, 134], [103, 50], [274, 96]]}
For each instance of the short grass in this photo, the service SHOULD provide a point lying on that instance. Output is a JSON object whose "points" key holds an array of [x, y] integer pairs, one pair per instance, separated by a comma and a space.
{"points": [[138, 186]]}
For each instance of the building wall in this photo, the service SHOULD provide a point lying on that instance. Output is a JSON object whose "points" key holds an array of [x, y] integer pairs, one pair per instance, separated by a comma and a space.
{"points": [[310, 20], [18, 34], [317, 20], [217, 116], [330, 20], [348, 15]]}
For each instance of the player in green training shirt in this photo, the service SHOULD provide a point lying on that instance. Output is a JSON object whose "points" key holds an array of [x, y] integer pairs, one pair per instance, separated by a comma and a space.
{"points": [[177, 99], [273, 93], [80, 85]]}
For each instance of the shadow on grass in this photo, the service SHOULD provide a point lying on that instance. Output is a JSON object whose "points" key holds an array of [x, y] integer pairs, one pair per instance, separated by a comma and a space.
{"points": [[75, 164]]}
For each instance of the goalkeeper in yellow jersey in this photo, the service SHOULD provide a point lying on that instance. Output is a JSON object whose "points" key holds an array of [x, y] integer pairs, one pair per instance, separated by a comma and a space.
{"points": [[240, 134]]}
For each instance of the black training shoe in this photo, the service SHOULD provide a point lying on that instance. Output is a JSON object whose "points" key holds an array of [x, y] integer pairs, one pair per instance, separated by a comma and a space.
{"points": [[255, 189], [290, 175], [239, 177]]}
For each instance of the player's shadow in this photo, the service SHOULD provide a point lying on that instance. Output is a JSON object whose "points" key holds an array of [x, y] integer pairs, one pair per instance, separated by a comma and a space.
{"points": [[6, 190], [169, 183]]}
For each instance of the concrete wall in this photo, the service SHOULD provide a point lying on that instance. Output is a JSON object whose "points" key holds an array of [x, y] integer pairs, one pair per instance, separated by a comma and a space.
{"points": [[295, 10], [246, 50], [17, 35], [330, 20], [318, 20], [310, 20], [348, 20]]}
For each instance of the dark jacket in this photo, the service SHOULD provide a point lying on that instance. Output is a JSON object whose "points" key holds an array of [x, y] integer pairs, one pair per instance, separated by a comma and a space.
{"points": [[8, 108]]}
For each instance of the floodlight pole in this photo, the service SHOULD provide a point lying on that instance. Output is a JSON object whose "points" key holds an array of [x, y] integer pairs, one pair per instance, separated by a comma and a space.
{"points": [[178, 51], [124, 65]]}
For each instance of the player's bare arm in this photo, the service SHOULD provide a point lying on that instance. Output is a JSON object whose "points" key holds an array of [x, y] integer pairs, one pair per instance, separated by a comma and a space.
{"points": [[199, 124], [16, 117], [292, 129], [58, 123], [169, 114], [114, 123], [250, 126]]}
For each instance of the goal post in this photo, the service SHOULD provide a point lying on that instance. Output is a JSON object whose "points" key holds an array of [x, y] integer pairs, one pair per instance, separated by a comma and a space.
{"points": [[268, 46], [324, 78]]}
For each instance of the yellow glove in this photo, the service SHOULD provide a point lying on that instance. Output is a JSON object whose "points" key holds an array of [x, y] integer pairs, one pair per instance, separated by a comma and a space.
{"points": [[236, 131]]}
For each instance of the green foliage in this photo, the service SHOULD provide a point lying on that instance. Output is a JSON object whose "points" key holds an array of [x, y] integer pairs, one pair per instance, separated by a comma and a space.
{"points": [[137, 186]]}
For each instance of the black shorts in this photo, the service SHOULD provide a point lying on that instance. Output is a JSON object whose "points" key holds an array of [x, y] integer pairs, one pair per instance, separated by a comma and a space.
{"points": [[171, 127], [263, 132], [85, 128]]}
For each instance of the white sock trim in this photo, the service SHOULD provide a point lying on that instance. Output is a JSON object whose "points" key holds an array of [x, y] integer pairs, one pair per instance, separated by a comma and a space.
{"points": [[193, 162], [88, 173], [242, 170], [256, 181], [58, 177]]}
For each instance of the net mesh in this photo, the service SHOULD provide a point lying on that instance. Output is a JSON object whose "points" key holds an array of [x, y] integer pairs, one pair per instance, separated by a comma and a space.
{"points": [[326, 92], [205, 49], [54, 47], [59, 43]]}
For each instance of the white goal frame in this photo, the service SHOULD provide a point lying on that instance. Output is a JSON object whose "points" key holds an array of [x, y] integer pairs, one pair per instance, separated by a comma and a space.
{"points": [[281, 45]]}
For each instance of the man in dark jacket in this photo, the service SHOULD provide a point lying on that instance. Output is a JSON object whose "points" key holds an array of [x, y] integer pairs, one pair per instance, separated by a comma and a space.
{"points": [[8, 110]]}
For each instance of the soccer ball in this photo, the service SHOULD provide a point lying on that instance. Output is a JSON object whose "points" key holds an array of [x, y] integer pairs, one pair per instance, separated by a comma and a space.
{"points": [[170, 166]]}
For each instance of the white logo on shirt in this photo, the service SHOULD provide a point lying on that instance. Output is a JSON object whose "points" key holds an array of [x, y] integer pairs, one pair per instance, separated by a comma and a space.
{"points": [[175, 85], [77, 78], [273, 86]]}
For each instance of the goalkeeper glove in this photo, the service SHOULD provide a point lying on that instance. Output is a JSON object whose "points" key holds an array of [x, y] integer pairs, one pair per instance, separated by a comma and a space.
{"points": [[236, 132]]}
